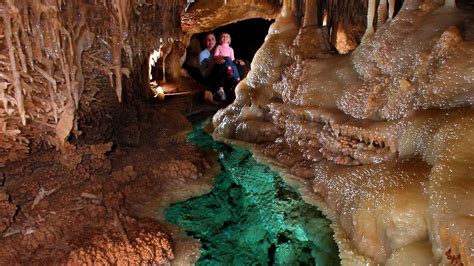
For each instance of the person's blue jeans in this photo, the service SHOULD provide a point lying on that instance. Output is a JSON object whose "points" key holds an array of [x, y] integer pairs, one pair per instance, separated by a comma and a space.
{"points": [[233, 66]]}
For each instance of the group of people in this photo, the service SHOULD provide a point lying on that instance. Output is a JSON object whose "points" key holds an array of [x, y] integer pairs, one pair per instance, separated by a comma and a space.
{"points": [[219, 68]]}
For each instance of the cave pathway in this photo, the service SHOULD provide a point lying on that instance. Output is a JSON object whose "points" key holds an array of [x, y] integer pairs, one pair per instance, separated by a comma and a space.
{"points": [[251, 217]]}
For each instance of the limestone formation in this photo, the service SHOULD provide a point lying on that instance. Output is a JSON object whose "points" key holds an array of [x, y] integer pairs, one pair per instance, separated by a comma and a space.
{"points": [[385, 132], [365, 106]]}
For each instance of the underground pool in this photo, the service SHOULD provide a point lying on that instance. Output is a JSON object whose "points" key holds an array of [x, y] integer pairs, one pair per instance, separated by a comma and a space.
{"points": [[251, 217]]}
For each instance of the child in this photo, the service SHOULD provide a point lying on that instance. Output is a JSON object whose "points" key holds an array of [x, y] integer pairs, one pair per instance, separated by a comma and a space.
{"points": [[224, 49]]}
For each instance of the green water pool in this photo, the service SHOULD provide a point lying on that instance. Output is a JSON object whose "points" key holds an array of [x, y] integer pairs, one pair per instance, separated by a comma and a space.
{"points": [[251, 217]]}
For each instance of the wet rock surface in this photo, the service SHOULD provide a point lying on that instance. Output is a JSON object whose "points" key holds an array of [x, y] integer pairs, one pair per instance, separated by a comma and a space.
{"points": [[378, 138], [394, 117], [96, 203]]}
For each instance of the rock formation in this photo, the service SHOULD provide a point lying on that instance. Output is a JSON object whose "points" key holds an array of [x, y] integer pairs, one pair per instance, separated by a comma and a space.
{"points": [[380, 137]]}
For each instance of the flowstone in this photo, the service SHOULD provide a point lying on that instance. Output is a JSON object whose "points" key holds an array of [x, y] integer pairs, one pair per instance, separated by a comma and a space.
{"points": [[252, 217]]}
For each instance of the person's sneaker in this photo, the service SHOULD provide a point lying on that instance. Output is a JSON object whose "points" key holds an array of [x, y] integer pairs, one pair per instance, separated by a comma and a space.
{"points": [[221, 95]]}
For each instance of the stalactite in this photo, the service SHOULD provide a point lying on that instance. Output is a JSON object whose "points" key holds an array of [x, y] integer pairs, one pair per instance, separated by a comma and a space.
{"points": [[287, 8], [65, 70], [310, 13], [165, 50], [295, 7], [325, 17], [117, 65], [391, 9], [83, 42], [28, 46], [116, 4], [121, 7], [333, 14], [16, 74], [382, 13], [19, 50], [370, 20], [74, 83], [46, 72], [52, 88], [48, 77], [128, 50]]}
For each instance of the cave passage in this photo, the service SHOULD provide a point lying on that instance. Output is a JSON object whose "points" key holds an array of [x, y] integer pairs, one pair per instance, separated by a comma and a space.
{"points": [[251, 217], [247, 37]]}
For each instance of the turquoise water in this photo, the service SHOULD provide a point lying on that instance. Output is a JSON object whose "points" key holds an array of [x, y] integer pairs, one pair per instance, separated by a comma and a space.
{"points": [[251, 217]]}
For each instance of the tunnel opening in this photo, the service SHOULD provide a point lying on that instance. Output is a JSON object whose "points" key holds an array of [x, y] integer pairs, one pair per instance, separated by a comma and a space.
{"points": [[188, 90], [247, 37]]}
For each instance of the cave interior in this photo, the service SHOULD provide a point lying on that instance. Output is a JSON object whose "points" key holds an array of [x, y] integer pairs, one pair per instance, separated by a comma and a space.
{"points": [[364, 108]]}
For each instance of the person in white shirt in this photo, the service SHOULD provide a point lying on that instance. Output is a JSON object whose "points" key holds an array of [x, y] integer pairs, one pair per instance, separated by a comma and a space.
{"points": [[213, 69]]}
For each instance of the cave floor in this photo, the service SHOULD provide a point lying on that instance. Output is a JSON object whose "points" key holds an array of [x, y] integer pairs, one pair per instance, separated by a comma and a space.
{"points": [[103, 202]]}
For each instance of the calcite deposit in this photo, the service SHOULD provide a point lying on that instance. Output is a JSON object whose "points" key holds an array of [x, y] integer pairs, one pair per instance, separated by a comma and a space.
{"points": [[365, 106], [80, 155], [381, 137]]}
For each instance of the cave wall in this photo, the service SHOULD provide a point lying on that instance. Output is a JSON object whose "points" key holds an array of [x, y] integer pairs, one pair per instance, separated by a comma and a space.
{"points": [[67, 66], [70, 62]]}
